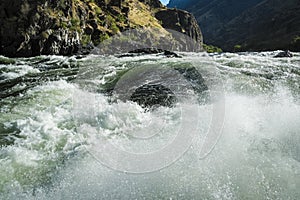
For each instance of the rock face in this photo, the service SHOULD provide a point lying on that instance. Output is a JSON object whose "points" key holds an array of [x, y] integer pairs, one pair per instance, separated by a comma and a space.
{"points": [[151, 96], [180, 21], [251, 25], [30, 28], [152, 3], [66, 27]]}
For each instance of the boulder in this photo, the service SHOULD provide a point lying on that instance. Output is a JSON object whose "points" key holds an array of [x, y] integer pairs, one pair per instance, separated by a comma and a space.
{"points": [[153, 95], [284, 54], [167, 53]]}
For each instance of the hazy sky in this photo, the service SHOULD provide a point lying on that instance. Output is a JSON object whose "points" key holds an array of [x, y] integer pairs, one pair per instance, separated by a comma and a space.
{"points": [[165, 2]]}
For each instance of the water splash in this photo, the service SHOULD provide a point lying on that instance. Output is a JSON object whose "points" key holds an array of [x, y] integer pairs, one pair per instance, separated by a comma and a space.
{"points": [[257, 157]]}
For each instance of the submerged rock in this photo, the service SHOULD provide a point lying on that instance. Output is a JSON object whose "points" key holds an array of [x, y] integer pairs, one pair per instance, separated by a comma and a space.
{"points": [[150, 51], [284, 54], [153, 95], [147, 51], [160, 92]]}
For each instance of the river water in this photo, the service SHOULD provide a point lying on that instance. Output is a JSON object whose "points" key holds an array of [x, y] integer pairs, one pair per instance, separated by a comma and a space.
{"points": [[56, 115]]}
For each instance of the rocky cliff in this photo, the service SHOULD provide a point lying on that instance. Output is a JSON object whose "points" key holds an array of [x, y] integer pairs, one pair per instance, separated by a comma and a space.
{"points": [[66, 27], [236, 25], [180, 21]]}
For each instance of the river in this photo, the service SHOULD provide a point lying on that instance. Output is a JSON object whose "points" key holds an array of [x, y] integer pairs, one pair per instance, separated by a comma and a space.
{"points": [[57, 117]]}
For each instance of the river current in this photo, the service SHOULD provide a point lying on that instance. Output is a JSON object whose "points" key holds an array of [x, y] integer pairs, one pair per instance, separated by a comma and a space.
{"points": [[56, 115]]}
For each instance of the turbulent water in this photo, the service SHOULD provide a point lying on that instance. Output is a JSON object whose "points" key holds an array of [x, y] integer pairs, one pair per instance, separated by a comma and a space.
{"points": [[55, 110]]}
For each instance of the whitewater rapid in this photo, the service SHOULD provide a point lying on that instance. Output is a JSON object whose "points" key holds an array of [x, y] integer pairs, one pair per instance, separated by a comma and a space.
{"points": [[45, 138]]}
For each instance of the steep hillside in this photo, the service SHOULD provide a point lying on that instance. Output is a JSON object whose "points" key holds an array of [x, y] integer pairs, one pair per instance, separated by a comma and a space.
{"points": [[248, 24], [65, 27], [271, 25]]}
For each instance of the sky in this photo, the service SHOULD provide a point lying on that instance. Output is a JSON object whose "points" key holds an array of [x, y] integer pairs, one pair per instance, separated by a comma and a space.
{"points": [[165, 2]]}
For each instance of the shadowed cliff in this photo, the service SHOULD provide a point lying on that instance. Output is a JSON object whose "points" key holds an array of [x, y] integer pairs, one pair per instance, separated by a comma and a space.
{"points": [[67, 27], [248, 25]]}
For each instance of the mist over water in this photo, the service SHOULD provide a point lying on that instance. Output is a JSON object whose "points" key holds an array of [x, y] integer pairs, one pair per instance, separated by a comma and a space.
{"points": [[256, 157]]}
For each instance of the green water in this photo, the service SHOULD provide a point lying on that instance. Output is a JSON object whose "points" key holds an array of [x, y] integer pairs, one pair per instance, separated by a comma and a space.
{"points": [[55, 111]]}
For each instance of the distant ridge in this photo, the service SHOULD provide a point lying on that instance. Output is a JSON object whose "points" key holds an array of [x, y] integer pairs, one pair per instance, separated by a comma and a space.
{"points": [[239, 25]]}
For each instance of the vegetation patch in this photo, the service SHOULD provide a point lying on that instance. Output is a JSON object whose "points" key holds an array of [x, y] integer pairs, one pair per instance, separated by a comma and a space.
{"points": [[212, 49], [237, 48]]}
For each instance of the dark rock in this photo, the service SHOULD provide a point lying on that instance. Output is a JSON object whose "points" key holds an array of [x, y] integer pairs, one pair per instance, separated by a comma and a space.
{"points": [[149, 51], [93, 23], [114, 10], [88, 30], [196, 80], [284, 54], [117, 3], [125, 10], [171, 54], [155, 94], [151, 96]]}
